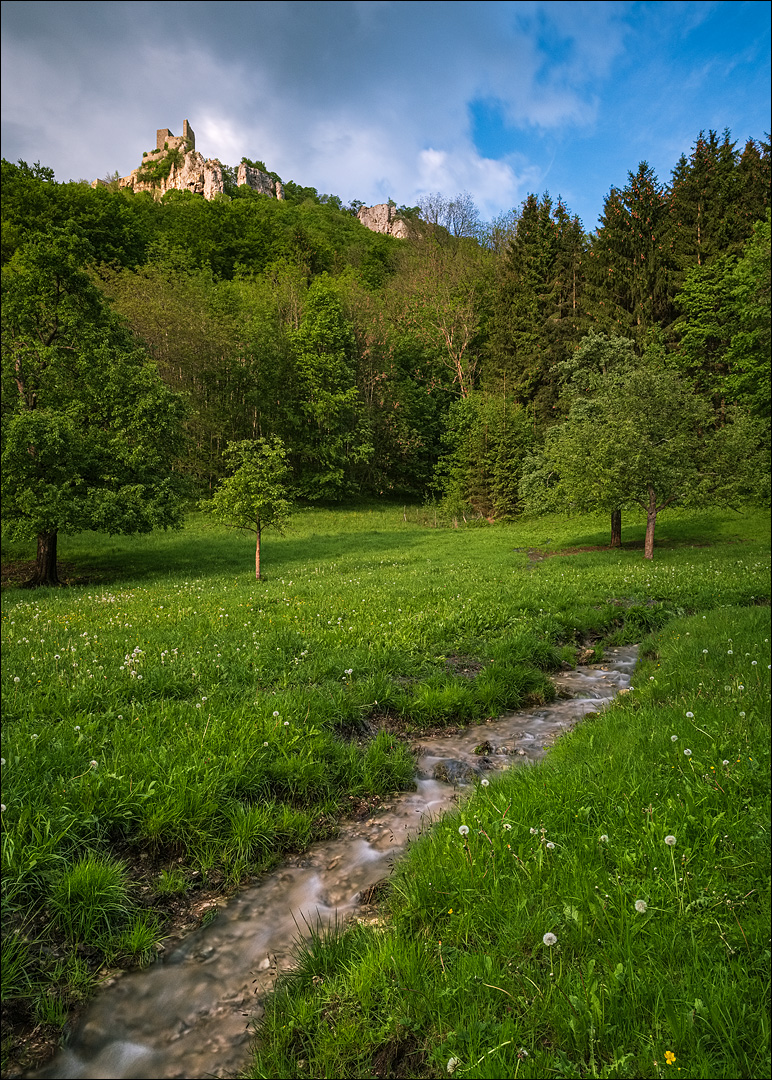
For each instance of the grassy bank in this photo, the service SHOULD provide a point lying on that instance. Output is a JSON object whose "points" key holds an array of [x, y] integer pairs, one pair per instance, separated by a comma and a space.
{"points": [[604, 914], [172, 727]]}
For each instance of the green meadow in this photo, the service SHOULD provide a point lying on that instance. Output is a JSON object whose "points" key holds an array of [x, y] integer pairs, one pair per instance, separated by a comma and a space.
{"points": [[165, 710]]}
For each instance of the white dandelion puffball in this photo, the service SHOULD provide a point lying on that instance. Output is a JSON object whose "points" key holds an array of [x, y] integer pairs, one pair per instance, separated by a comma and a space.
{"points": [[688, 753], [674, 738], [640, 906], [550, 940], [604, 839], [670, 841], [463, 830]]}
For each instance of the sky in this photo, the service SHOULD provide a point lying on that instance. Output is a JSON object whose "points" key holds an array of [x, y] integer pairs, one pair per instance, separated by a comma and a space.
{"points": [[373, 100]]}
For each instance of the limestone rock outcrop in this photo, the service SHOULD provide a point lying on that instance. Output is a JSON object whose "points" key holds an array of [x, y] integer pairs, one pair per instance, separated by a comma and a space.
{"points": [[202, 176], [189, 170], [259, 181], [383, 218]]}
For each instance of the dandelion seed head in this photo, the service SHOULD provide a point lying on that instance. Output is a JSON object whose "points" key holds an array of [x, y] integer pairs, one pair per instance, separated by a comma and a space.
{"points": [[674, 738], [16, 679], [688, 753], [93, 764], [604, 839], [670, 841], [641, 906], [725, 761], [550, 940], [690, 715], [550, 845], [485, 783], [463, 830]]}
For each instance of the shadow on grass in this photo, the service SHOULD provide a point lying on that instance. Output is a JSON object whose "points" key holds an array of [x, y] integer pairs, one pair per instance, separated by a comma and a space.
{"points": [[198, 552]]}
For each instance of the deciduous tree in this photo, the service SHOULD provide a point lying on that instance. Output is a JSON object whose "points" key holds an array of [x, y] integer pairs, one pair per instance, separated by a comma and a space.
{"points": [[256, 495], [90, 433]]}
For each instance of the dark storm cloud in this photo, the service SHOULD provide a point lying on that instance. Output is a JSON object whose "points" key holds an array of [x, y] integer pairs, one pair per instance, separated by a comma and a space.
{"points": [[365, 99]]}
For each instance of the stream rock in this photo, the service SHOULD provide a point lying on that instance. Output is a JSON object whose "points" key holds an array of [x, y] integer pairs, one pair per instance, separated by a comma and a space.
{"points": [[456, 772]]}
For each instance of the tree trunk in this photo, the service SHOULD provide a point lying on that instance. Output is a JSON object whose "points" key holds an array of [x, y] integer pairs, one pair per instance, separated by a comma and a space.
{"points": [[651, 521], [45, 563], [616, 528], [257, 557]]}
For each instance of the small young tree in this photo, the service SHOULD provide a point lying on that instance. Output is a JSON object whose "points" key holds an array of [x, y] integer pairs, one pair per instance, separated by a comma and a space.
{"points": [[256, 495]]}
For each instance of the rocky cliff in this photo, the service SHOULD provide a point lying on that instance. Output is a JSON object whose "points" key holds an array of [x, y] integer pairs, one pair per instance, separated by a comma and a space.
{"points": [[383, 218], [176, 165]]}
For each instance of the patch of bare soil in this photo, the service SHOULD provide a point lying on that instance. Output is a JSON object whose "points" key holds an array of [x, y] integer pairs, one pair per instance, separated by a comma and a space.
{"points": [[539, 554], [467, 666], [14, 575]]}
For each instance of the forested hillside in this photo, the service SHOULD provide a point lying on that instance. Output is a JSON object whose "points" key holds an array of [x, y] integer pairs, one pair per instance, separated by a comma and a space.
{"points": [[437, 365]]}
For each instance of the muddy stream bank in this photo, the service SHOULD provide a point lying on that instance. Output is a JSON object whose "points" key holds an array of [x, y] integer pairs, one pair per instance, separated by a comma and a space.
{"points": [[188, 1015]]}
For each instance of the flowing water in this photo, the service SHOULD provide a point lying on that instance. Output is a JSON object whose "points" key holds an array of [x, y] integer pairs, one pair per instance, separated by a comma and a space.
{"points": [[189, 1014]]}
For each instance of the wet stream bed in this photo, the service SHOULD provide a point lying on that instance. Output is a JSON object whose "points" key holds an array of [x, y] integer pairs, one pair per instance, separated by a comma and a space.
{"points": [[189, 1014]]}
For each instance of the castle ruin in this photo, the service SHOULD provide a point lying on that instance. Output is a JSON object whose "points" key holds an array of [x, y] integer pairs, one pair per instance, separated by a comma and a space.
{"points": [[165, 140], [190, 171]]}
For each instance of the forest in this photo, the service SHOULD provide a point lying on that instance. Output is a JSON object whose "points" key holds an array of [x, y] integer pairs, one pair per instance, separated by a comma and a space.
{"points": [[523, 363]]}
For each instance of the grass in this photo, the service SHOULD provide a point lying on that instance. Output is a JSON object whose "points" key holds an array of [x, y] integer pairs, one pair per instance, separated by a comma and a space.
{"points": [[604, 914], [170, 709]]}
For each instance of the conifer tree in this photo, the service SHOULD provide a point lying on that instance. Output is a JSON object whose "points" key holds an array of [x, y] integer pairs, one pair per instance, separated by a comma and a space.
{"points": [[630, 257]]}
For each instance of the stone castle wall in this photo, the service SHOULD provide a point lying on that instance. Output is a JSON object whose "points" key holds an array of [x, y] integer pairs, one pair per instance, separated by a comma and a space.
{"points": [[165, 140]]}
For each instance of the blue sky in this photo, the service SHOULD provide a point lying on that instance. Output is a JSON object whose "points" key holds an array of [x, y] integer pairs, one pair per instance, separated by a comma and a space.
{"points": [[372, 100]]}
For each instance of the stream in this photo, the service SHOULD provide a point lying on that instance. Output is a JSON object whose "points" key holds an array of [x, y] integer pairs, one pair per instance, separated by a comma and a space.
{"points": [[189, 1014]]}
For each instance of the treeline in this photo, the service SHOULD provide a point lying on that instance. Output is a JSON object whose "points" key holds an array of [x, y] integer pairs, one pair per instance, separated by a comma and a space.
{"points": [[439, 364]]}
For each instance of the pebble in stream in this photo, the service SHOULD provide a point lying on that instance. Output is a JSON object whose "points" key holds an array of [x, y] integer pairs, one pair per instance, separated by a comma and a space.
{"points": [[188, 1015]]}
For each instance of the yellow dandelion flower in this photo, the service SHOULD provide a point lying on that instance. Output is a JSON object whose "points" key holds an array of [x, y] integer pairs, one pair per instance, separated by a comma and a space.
{"points": [[669, 1057]]}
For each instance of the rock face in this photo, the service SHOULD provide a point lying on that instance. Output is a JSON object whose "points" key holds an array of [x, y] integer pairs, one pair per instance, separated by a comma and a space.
{"points": [[383, 219], [259, 181], [202, 176]]}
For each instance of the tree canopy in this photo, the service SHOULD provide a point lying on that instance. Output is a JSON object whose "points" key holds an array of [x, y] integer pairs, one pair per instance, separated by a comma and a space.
{"points": [[90, 432]]}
